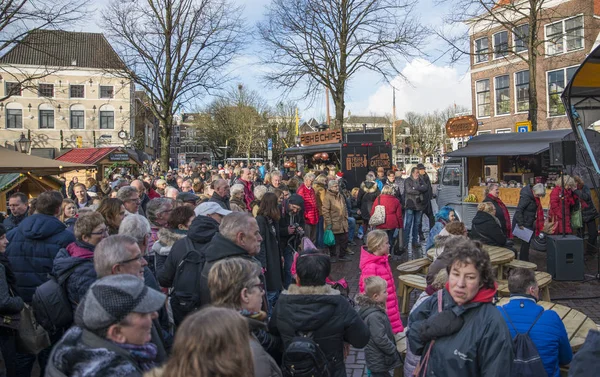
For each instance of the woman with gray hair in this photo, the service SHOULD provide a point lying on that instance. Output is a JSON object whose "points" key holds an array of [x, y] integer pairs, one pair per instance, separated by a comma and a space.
{"points": [[236, 200], [530, 214], [259, 192], [157, 212], [335, 218]]}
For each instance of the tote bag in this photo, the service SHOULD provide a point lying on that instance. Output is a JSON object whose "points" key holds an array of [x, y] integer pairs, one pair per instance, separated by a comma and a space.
{"points": [[378, 217], [31, 338]]}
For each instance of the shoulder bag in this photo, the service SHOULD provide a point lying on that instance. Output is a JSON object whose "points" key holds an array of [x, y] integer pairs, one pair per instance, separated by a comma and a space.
{"points": [[378, 217], [31, 338]]}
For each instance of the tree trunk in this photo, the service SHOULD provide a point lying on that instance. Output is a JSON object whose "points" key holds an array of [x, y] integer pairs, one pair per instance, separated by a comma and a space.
{"points": [[340, 106], [165, 144]]}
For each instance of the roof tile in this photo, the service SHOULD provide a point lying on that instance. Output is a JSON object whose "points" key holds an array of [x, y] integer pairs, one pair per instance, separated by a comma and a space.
{"points": [[86, 155]]}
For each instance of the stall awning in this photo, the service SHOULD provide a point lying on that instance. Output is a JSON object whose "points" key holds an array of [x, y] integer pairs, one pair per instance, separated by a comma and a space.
{"points": [[16, 162], [335, 147], [510, 144]]}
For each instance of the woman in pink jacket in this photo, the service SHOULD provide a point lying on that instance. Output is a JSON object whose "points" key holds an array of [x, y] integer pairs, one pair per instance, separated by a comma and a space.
{"points": [[374, 262]]}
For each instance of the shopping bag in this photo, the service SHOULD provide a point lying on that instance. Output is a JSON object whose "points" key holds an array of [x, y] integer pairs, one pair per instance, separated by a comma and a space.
{"points": [[576, 218], [378, 217], [31, 338], [329, 238]]}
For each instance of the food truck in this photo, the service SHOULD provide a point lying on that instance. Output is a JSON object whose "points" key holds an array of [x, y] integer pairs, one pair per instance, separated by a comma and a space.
{"points": [[352, 153], [513, 160]]}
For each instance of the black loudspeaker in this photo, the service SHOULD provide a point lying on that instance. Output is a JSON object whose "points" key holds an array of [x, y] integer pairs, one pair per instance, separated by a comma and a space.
{"points": [[563, 153], [564, 257]]}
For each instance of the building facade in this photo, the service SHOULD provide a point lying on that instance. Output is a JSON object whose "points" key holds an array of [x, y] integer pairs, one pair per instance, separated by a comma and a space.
{"points": [[147, 127], [187, 141], [500, 77], [356, 122], [64, 90]]}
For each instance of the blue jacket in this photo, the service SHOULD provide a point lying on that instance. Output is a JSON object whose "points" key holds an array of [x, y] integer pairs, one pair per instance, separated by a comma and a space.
{"points": [[79, 256], [32, 247], [549, 334]]}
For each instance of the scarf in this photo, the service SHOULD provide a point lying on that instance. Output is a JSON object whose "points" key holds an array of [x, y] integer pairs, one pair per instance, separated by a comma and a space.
{"points": [[11, 280], [508, 227], [483, 295], [259, 316], [143, 355], [539, 218]]}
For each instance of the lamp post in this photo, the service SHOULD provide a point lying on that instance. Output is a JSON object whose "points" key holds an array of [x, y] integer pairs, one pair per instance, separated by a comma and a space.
{"points": [[23, 144]]}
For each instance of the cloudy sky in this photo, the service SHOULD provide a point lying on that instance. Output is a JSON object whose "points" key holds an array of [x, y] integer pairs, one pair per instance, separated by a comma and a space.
{"points": [[433, 83]]}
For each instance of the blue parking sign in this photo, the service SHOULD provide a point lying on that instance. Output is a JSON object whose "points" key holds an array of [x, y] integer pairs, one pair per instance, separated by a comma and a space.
{"points": [[270, 144], [523, 129]]}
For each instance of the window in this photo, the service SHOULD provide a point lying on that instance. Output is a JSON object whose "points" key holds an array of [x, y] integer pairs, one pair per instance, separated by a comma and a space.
{"points": [[521, 34], [502, 89], [564, 36], [106, 91], [503, 131], [107, 120], [500, 44], [481, 50], [77, 91], [482, 88], [46, 118], [12, 89], [522, 90], [77, 119], [484, 132], [14, 118], [556, 84], [46, 90], [451, 177]]}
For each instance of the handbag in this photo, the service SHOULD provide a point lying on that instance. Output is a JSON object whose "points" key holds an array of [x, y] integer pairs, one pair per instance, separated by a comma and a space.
{"points": [[329, 238], [10, 321], [576, 218], [378, 217], [31, 338], [421, 369]]}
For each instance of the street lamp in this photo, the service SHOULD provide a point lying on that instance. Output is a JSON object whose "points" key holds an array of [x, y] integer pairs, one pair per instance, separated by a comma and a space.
{"points": [[282, 133], [23, 144]]}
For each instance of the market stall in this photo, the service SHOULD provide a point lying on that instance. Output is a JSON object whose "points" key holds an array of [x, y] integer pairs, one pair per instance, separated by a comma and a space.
{"points": [[102, 162], [28, 184]]}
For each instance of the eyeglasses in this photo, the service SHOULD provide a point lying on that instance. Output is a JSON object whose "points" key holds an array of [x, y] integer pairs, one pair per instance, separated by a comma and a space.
{"points": [[138, 258], [136, 200], [261, 286], [103, 231]]}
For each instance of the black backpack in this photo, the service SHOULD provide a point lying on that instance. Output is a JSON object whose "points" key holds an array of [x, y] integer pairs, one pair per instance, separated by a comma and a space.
{"points": [[185, 296], [527, 361], [51, 305], [303, 357]]}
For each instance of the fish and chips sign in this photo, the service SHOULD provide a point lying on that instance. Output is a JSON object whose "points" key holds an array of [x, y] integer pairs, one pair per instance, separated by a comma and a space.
{"points": [[324, 137], [461, 126]]}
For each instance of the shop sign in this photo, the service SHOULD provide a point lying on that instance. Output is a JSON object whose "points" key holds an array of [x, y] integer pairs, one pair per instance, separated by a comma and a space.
{"points": [[461, 126], [354, 161], [116, 156], [381, 160], [325, 137], [523, 126]]}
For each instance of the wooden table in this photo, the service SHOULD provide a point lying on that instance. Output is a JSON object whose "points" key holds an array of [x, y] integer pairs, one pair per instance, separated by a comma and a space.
{"points": [[499, 256], [542, 278], [577, 324]]}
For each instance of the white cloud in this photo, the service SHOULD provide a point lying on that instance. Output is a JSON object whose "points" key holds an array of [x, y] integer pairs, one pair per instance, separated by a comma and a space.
{"points": [[430, 88]]}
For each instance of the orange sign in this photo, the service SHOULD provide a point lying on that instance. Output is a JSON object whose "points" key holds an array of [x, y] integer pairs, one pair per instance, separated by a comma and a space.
{"points": [[461, 126], [325, 137], [354, 161], [381, 160]]}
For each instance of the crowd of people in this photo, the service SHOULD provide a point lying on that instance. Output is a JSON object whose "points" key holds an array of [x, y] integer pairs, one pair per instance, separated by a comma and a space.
{"points": [[227, 272]]}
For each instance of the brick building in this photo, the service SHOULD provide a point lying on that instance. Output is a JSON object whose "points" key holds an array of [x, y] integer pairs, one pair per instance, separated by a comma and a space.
{"points": [[568, 31]]}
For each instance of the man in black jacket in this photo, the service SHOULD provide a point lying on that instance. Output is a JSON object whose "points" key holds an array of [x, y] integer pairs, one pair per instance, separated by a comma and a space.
{"points": [[312, 306], [414, 192], [291, 230], [427, 196], [221, 194]]}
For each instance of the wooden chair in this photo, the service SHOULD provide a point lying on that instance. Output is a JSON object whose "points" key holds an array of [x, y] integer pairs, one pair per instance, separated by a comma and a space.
{"points": [[515, 263], [543, 279], [415, 266], [407, 284]]}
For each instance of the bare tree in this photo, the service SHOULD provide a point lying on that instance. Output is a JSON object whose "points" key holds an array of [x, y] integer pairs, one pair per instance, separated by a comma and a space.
{"points": [[317, 44], [18, 18], [522, 19], [175, 50]]}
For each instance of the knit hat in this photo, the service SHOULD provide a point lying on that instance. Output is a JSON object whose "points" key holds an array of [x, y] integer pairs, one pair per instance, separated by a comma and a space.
{"points": [[296, 200], [110, 299]]}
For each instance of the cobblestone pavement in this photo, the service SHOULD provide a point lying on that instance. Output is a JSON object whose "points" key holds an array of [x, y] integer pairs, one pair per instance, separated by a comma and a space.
{"points": [[580, 295]]}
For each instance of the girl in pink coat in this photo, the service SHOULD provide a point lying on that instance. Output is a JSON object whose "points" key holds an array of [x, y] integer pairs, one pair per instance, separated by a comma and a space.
{"points": [[374, 262]]}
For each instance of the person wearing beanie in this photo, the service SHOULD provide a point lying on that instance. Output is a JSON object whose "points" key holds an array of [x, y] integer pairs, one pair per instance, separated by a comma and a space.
{"points": [[111, 336]]}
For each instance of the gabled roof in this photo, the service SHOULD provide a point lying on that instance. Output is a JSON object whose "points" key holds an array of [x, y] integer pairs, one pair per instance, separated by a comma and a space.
{"points": [[16, 162], [58, 48], [86, 155], [358, 119]]}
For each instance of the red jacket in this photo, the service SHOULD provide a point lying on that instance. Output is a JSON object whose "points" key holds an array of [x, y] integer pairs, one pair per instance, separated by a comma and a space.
{"points": [[311, 211], [152, 194], [555, 212], [393, 211]]}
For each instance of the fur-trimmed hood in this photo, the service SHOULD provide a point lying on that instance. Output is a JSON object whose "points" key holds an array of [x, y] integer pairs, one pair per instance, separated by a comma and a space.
{"points": [[366, 303], [166, 239], [326, 289], [369, 187]]}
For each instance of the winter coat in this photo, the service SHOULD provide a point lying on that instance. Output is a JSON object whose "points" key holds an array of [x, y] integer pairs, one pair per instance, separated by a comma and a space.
{"points": [[588, 209], [70, 223], [9, 304], [248, 193], [223, 202], [366, 197], [526, 209], [13, 221], [481, 348], [381, 353], [88, 201], [311, 210], [288, 218], [162, 247], [548, 334], [439, 225], [335, 214], [237, 205], [80, 256], [32, 247], [393, 212], [555, 212], [486, 228], [499, 215], [320, 192], [398, 185], [220, 248], [441, 259], [83, 354], [585, 362], [323, 311], [373, 265], [270, 254], [415, 191], [411, 360], [264, 365]]}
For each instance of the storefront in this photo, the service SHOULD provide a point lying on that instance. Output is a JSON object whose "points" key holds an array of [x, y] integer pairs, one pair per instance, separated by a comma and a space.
{"points": [[106, 161]]}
